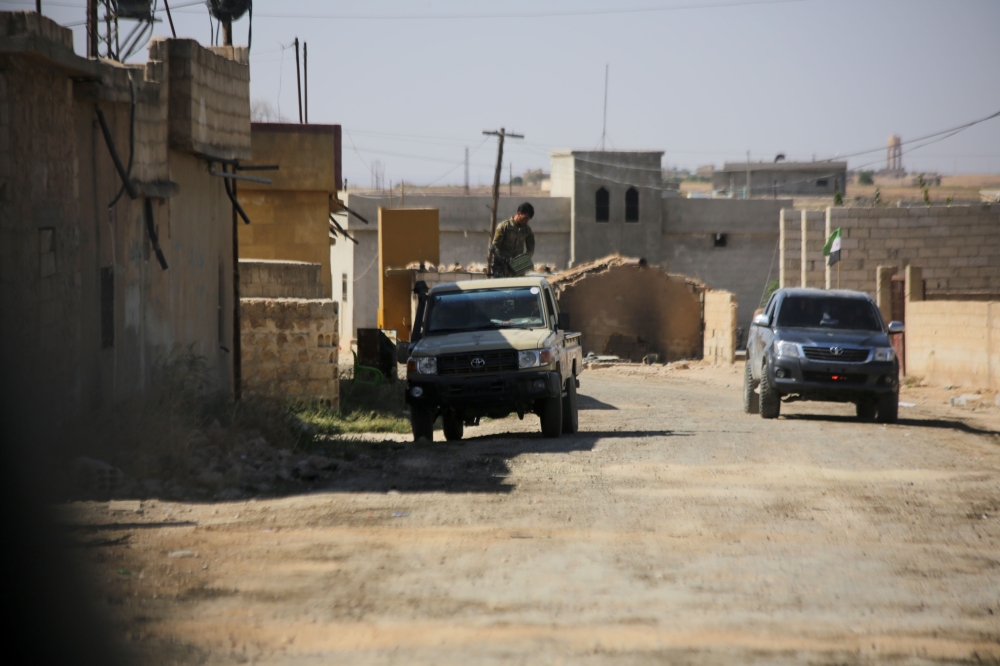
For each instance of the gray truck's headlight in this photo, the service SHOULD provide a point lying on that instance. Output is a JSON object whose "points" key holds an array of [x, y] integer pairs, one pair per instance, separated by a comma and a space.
{"points": [[426, 365], [884, 354], [787, 349]]}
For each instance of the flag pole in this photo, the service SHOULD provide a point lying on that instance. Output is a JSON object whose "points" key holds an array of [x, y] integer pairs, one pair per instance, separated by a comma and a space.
{"points": [[838, 275]]}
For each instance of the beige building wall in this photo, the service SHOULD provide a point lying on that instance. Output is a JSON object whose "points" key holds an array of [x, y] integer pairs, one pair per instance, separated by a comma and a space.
{"points": [[954, 342], [720, 327]]}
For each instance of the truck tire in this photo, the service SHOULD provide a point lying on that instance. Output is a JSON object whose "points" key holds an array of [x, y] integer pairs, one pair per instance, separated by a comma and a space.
{"points": [[454, 428], [770, 399], [551, 414], [865, 409], [570, 415], [751, 401], [422, 423], [888, 407]]}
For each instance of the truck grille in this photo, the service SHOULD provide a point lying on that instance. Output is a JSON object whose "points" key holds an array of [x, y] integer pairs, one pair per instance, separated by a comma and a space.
{"points": [[466, 364], [846, 355]]}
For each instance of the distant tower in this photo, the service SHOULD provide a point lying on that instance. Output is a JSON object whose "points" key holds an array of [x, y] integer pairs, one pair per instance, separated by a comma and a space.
{"points": [[894, 155]]}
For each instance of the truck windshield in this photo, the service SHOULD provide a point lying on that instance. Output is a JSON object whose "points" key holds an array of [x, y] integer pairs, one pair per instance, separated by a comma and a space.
{"points": [[485, 309], [829, 312]]}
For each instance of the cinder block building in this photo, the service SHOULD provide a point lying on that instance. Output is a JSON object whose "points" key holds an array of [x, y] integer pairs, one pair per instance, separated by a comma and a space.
{"points": [[776, 179], [99, 283]]}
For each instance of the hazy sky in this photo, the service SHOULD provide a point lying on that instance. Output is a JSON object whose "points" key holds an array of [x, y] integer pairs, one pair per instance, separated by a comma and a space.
{"points": [[704, 83]]}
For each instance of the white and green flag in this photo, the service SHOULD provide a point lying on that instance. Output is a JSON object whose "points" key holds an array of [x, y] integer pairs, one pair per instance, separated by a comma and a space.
{"points": [[832, 247]]}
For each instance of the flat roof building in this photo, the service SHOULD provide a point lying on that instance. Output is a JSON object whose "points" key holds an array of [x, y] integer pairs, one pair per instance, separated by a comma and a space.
{"points": [[772, 179]]}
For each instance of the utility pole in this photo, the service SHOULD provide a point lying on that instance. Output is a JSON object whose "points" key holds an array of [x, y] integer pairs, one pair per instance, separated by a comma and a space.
{"points": [[305, 76], [298, 78], [604, 125], [510, 179], [227, 33], [502, 134], [92, 37], [466, 171]]}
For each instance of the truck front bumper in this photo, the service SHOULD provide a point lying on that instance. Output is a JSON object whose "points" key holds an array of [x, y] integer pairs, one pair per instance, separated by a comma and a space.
{"points": [[492, 392], [823, 380]]}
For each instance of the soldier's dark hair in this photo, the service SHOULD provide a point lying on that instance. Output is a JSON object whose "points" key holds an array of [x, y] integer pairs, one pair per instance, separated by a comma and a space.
{"points": [[527, 209]]}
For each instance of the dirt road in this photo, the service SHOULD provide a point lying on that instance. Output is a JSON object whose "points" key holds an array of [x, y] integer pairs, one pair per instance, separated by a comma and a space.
{"points": [[673, 529]]}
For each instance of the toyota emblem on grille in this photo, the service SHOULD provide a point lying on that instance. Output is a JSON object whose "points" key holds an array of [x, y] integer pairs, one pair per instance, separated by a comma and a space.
{"points": [[478, 363], [836, 351]]}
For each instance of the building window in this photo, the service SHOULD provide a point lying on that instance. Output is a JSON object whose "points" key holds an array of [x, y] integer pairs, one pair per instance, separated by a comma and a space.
{"points": [[632, 205], [821, 182], [343, 287], [107, 307], [602, 205], [719, 240], [47, 251]]}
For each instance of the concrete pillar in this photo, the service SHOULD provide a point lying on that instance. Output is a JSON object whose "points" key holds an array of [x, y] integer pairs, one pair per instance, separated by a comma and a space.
{"points": [[883, 290], [805, 249], [782, 249], [914, 283]]}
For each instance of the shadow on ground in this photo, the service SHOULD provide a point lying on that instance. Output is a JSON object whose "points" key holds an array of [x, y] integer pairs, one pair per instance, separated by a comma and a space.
{"points": [[946, 424]]}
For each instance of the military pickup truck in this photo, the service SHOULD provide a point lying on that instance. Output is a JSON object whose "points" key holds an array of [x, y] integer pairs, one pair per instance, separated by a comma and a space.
{"points": [[491, 348]]}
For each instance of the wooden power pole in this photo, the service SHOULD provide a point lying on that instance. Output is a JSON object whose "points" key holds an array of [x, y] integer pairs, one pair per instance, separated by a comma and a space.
{"points": [[502, 134]]}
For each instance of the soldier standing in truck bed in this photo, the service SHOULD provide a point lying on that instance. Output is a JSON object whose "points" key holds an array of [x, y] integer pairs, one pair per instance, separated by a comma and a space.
{"points": [[513, 238]]}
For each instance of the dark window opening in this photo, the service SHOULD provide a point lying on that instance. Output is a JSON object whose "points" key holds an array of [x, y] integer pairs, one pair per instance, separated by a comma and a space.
{"points": [[107, 307], [602, 205], [343, 286], [719, 240], [632, 205], [47, 251], [822, 182]]}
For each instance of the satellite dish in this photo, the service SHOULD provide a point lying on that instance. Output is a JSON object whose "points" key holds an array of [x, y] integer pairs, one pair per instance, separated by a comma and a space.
{"points": [[228, 10]]}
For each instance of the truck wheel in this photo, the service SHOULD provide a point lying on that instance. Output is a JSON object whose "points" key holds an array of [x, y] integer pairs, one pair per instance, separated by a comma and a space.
{"points": [[551, 414], [570, 415], [865, 409], [770, 399], [453, 426], [422, 423], [751, 401], [888, 407]]}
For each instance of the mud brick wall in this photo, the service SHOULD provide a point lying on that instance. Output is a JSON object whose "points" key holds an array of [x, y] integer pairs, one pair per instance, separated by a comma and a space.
{"points": [[290, 348], [958, 247], [720, 327], [261, 278]]}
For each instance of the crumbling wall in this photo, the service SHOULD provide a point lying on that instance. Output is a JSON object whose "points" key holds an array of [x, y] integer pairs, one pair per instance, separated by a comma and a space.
{"points": [[290, 348], [623, 298], [260, 278], [720, 327]]}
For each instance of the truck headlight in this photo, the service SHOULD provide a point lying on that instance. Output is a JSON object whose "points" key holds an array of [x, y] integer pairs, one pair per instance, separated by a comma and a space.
{"points": [[424, 365], [535, 358], [884, 354], [787, 349]]}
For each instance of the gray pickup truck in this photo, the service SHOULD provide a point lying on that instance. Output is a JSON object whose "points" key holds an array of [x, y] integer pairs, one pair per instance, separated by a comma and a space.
{"points": [[812, 344], [491, 348]]}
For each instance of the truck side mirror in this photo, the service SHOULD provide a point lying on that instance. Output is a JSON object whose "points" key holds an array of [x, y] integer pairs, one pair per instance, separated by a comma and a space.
{"points": [[896, 327], [762, 320], [562, 321]]}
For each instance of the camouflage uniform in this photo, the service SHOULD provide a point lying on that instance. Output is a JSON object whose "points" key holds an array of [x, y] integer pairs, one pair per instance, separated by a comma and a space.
{"points": [[511, 240]]}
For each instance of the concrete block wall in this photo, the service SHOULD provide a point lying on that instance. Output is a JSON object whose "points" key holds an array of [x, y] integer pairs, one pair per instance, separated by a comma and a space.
{"points": [[280, 279], [790, 248], [958, 247], [798, 270], [720, 327], [209, 105], [290, 348], [954, 342]]}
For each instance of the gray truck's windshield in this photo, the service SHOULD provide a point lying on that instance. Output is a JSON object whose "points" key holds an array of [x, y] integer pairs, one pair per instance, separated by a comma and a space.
{"points": [[485, 309], [828, 312]]}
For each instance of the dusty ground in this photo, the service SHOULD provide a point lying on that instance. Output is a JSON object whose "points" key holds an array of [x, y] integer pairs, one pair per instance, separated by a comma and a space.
{"points": [[673, 529]]}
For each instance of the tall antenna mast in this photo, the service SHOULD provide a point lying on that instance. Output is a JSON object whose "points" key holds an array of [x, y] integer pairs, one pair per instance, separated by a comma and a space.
{"points": [[466, 171], [604, 125]]}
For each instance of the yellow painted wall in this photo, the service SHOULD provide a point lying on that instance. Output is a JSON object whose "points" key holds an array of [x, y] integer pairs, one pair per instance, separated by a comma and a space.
{"points": [[405, 235], [288, 225]]}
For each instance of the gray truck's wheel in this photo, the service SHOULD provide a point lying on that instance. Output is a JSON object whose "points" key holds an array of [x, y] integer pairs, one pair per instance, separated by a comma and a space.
{"points": [[865, 409], [888, 407], [751, 401], [551, 413], [422, 423], [453, 426], [570, 415], [770, 399]]}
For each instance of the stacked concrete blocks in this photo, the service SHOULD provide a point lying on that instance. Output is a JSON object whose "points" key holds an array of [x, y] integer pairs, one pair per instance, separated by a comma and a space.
{"points": [[720, 327], [290, 348], [261, 278]]}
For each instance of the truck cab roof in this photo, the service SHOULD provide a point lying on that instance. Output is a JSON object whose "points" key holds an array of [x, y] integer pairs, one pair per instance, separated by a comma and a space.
{"points": [[499, 283]]}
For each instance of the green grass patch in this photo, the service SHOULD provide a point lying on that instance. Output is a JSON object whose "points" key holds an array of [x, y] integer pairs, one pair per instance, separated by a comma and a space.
{"points": [[363, 408]]}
